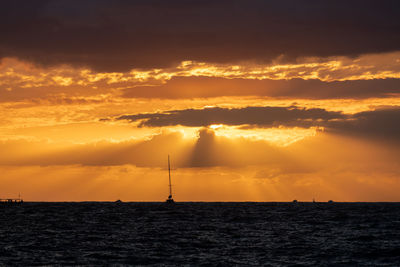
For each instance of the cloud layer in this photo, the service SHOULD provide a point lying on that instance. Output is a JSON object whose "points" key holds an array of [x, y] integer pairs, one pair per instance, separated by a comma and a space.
{"points": [[261, 116], [120, 35], [192, 87], [381, 123]]}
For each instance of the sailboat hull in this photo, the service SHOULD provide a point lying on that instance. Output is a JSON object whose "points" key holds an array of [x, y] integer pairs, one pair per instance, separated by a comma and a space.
{"points": [[170, 201]]}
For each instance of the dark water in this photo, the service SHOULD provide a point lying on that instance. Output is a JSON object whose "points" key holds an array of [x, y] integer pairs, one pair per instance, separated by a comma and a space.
{"points": [[277, 234]]}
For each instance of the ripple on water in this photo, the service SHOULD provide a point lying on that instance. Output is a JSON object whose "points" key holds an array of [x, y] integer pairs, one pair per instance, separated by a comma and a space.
{"points": [[200, 233]]}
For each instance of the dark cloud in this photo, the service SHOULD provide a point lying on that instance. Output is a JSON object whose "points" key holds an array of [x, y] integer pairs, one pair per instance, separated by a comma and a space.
{"points": [[382, 123], [192, 87], [119, 35], [261, 116]]}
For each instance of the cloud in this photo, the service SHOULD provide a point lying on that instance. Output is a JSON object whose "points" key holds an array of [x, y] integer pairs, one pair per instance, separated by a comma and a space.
{"points": [[149, 153], [260, 116], [195, 87], [365, 77], [207, 150], [382, 123], [325, 154], [121, 35]]}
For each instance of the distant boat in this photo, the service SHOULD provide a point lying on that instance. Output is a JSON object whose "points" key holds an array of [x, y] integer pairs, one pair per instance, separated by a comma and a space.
{"points": [[170, 200], [18, 200]]}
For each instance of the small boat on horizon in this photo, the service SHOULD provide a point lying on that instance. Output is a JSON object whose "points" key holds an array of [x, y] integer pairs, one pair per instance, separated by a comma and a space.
{"points": [[169, 200], [18, 200]]}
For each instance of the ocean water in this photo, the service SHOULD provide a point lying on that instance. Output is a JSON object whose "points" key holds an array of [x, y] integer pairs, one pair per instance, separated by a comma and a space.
{"points": [[222, 234]]}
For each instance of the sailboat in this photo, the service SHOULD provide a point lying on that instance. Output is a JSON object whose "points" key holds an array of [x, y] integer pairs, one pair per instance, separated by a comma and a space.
{"points": [[169, 200]]}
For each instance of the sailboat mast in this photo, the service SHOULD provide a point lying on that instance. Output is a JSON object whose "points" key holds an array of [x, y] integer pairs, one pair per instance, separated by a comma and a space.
{"points": [[169, 176]]}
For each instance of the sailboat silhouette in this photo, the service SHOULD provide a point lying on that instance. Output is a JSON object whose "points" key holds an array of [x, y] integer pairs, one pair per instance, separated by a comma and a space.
{"points": [[169, 200]]}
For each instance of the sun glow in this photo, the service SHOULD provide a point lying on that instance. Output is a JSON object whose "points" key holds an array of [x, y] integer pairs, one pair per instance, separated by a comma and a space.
{"points": [[216, 126], [279, 136]]}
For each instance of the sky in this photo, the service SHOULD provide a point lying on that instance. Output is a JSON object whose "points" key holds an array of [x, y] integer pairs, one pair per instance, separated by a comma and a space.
{"points": [[253, 100]]}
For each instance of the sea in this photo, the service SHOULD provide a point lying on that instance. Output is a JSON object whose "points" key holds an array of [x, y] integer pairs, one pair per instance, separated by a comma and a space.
{"points": [[200, 234]]}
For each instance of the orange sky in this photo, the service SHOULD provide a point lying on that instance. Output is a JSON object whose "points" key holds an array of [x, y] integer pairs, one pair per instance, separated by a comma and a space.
{"points": [[66, 143], [244, 117]]}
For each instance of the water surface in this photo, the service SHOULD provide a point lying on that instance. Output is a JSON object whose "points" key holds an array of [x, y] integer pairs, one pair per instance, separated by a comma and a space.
{"points": [[277, 234]]}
